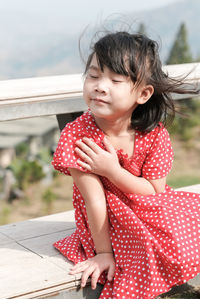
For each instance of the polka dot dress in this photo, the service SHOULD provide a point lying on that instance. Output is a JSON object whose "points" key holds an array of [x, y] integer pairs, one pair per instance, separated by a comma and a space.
{"points": [[155, 238]]}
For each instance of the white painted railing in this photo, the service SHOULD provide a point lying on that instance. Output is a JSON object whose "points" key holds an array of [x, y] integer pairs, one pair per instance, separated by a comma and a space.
{"points": [[22, 98]]}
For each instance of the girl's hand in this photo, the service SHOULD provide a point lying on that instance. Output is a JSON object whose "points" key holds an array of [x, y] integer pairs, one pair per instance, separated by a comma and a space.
{"points": [[95, 159], [94, 267]]}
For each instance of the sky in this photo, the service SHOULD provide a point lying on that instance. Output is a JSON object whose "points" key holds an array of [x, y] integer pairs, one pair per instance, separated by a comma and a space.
{"points": [[79, 13]]}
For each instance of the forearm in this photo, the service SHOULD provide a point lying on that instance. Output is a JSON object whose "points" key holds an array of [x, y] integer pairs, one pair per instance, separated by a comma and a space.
{"points": [[98, 222], [129, 183], [92, 191]]}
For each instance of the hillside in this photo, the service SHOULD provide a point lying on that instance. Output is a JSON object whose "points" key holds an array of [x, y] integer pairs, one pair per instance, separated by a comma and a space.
{"points": [[48, 47], [164, 23]]}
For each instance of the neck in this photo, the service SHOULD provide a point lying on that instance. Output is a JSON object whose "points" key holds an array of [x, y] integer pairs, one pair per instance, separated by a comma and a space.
{"points": [[117, 127]]}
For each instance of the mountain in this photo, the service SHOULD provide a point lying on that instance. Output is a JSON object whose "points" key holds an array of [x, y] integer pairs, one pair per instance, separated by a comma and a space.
{"points": [[27, 50], [163, 23]]}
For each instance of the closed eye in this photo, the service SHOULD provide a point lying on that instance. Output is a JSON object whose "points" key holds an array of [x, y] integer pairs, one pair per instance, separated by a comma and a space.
{"points": [[93, 76], [117, 81]]}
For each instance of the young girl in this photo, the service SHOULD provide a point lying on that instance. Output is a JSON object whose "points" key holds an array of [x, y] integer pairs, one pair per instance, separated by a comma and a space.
{"points": [[135, 235]]}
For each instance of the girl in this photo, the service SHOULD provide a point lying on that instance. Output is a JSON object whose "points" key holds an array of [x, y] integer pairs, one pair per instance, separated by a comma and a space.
{"points": [[135, 235]]}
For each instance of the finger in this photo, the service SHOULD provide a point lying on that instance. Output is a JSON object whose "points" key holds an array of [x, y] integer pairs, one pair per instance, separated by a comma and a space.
{"points": [[109, 147], [92, 144], [83, 155], [79, 267], [79, 264], [84, 165], [85, 148], [111, 272], [86, 274], [94, 278]]}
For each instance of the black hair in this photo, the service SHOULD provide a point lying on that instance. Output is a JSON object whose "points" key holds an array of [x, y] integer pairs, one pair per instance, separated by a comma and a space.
{"points": [[137, 56]]}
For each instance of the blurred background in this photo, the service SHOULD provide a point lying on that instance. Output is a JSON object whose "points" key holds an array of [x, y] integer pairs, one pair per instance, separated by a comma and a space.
{"points": [[41, 38]]}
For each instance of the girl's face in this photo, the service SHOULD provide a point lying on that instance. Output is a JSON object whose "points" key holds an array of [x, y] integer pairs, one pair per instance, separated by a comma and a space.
{"points": [[109, 95]]}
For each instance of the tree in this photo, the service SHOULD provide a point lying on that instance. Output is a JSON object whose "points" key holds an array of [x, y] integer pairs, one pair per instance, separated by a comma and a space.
{"points": [[180, 51]]}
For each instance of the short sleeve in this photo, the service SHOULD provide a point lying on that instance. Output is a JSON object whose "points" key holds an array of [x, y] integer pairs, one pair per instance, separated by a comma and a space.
{"points": [[159, 158], [65, 156]]}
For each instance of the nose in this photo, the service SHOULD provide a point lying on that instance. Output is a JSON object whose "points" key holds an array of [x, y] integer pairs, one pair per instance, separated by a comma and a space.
{"points": [[101, 85]]}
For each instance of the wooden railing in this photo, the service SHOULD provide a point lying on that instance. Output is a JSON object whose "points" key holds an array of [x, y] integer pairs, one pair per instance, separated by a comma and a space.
{"points": [[29, 265], [23, 98]]}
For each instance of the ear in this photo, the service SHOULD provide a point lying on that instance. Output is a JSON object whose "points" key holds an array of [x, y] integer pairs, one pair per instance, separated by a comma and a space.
{"points": [[145, 93]]}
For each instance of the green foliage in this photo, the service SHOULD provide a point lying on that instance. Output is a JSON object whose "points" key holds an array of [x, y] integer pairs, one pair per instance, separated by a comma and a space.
{"points": [[184, 180], [4, 215], [22, 150], [48, 198], [180, 51], [186, 120], [45, 155], [1, 184], [26, 172]]}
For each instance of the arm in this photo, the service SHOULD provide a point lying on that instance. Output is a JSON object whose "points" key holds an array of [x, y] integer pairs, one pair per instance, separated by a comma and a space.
{"points": [[92, 191], [106, 163], [129, 183]]}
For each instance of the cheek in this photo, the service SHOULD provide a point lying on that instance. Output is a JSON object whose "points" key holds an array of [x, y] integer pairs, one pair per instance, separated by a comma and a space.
{"points": [[87, 87], [85, 91]]}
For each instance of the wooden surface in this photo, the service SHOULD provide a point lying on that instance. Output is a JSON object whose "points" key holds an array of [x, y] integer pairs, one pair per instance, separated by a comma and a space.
{"points": [[30, 267], [40, 96]]}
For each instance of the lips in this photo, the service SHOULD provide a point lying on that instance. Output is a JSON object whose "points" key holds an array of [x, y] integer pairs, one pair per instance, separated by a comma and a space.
{"points": [[98, 100]]}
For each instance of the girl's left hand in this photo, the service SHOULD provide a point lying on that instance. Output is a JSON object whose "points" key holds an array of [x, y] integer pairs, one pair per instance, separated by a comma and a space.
{"points": [[95, 159]]}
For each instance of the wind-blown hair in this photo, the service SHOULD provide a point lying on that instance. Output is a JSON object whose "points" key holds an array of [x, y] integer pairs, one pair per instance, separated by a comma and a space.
{"points": [[137, 56]]}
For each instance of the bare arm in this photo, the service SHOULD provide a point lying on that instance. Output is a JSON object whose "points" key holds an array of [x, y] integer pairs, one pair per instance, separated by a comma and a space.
{"points": [[92, 191], [105, 163], [129, 183]]}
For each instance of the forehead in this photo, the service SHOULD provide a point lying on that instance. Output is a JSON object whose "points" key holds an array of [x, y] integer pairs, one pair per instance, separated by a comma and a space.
{"points": [[94, 64], [97, 65]]}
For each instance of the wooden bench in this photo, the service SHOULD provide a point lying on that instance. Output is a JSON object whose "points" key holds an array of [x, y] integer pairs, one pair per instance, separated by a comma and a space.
{"points": [[30, 267]]}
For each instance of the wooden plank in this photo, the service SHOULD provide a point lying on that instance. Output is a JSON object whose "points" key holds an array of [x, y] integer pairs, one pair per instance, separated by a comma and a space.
{"points": [[39, 226], [38, 87], [193, 188], [22, 272], [31, 97], [47, 107], [43, 245], [32, 266], [4, 239], [191, 70]]}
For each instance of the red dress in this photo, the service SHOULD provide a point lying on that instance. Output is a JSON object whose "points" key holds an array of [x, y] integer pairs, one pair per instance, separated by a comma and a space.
{"points": [[155, 238]]}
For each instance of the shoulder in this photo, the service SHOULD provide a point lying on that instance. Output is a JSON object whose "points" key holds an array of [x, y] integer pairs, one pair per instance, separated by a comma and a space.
{"points": [[157, 135], [77, 127], [159, 131], [83, 126]]}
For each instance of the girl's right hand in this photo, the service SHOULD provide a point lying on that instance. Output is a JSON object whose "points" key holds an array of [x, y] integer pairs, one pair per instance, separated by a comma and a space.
{"points": [[97, 160], [94, 267]]}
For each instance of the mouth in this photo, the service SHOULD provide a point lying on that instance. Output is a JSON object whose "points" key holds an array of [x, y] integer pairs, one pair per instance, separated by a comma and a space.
{"points": [[98, 100]]}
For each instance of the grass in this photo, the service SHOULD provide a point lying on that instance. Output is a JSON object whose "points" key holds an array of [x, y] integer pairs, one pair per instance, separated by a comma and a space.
{"points": [[182, 181]]}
